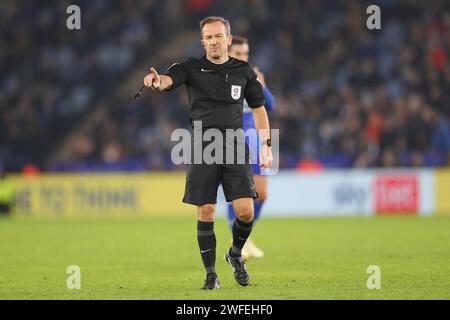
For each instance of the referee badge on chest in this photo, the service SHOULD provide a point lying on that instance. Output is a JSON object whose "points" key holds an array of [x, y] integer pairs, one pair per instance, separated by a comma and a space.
{"points": [[236, 92]]}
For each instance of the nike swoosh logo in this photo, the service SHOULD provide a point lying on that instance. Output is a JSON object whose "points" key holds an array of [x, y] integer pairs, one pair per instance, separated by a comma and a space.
{"points": [[205, 250], [205, 70]]}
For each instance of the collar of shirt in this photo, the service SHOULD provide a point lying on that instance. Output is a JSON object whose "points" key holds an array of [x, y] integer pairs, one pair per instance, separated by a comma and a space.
{"points": [[214, 66]]}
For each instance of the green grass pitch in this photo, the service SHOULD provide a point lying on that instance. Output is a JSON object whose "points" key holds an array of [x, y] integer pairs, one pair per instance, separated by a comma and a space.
{"points": [[158, 258]]}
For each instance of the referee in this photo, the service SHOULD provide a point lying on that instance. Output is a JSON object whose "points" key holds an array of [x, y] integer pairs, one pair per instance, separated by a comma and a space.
{"points": [[217, 86]]}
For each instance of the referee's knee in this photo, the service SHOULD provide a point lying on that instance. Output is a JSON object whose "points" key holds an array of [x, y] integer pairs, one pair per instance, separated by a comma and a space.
{"points": [[206, 212], [245, 212]]}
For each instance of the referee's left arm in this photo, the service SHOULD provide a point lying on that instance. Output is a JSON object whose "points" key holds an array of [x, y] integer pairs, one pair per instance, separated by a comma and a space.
{"points": [[255, 99], [263, 127]]}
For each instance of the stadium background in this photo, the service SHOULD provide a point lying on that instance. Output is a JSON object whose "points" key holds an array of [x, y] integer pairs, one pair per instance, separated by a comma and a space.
{"points": [[364, 115]]}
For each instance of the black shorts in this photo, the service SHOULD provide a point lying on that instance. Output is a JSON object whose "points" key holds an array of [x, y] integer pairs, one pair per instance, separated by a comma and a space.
{"points": [[203, 180], [236, 177]]}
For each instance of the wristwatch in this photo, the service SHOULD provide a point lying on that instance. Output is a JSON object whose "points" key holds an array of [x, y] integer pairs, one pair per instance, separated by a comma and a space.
{"points": [[268, 142]]}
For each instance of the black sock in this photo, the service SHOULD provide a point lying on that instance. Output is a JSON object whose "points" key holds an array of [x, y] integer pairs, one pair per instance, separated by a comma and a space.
{"points": [[241, 231], [207, 243]]}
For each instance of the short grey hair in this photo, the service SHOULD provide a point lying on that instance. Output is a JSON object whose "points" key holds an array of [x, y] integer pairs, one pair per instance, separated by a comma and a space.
{"points": [[212, 19]]}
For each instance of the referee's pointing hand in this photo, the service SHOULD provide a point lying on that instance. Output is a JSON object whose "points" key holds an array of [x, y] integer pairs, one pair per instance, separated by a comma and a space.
{"points": [[152, 80]]}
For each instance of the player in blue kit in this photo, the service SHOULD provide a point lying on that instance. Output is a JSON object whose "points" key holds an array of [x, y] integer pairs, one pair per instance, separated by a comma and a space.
{"points": [[240, 49]]}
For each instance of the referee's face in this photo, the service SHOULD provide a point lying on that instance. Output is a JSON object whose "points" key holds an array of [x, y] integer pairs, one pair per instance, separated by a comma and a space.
{"points": [[216, 40]]}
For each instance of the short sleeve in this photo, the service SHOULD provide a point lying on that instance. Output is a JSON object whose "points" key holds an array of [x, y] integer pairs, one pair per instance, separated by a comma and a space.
{"points": [[253, 93], [178, 73]]}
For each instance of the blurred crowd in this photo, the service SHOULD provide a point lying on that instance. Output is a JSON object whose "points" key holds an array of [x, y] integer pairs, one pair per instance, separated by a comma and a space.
{"points": [[346, 96], [51, 76], [356, 97]]}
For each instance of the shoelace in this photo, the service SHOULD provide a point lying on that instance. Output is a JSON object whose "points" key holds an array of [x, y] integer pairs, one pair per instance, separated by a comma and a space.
{"points": [[241, 264]]}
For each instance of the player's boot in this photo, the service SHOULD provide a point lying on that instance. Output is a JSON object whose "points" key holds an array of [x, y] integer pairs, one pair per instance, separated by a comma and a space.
{"points": [[211, 282], [250, 250], [240, 271]]}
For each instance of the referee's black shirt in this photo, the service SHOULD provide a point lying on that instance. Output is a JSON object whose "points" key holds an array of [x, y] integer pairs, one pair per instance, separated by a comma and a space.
{"points": [[217, 91]]}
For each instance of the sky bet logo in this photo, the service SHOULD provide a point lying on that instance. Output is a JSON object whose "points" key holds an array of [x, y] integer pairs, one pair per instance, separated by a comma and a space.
{"points": [[347, 194]]}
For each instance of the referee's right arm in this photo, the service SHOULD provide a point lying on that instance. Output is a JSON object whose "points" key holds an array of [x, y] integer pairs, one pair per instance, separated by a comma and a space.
{"points": [[157, 82]]}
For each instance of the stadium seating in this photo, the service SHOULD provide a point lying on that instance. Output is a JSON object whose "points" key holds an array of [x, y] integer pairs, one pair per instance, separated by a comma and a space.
{"points": [[347, 97]]}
